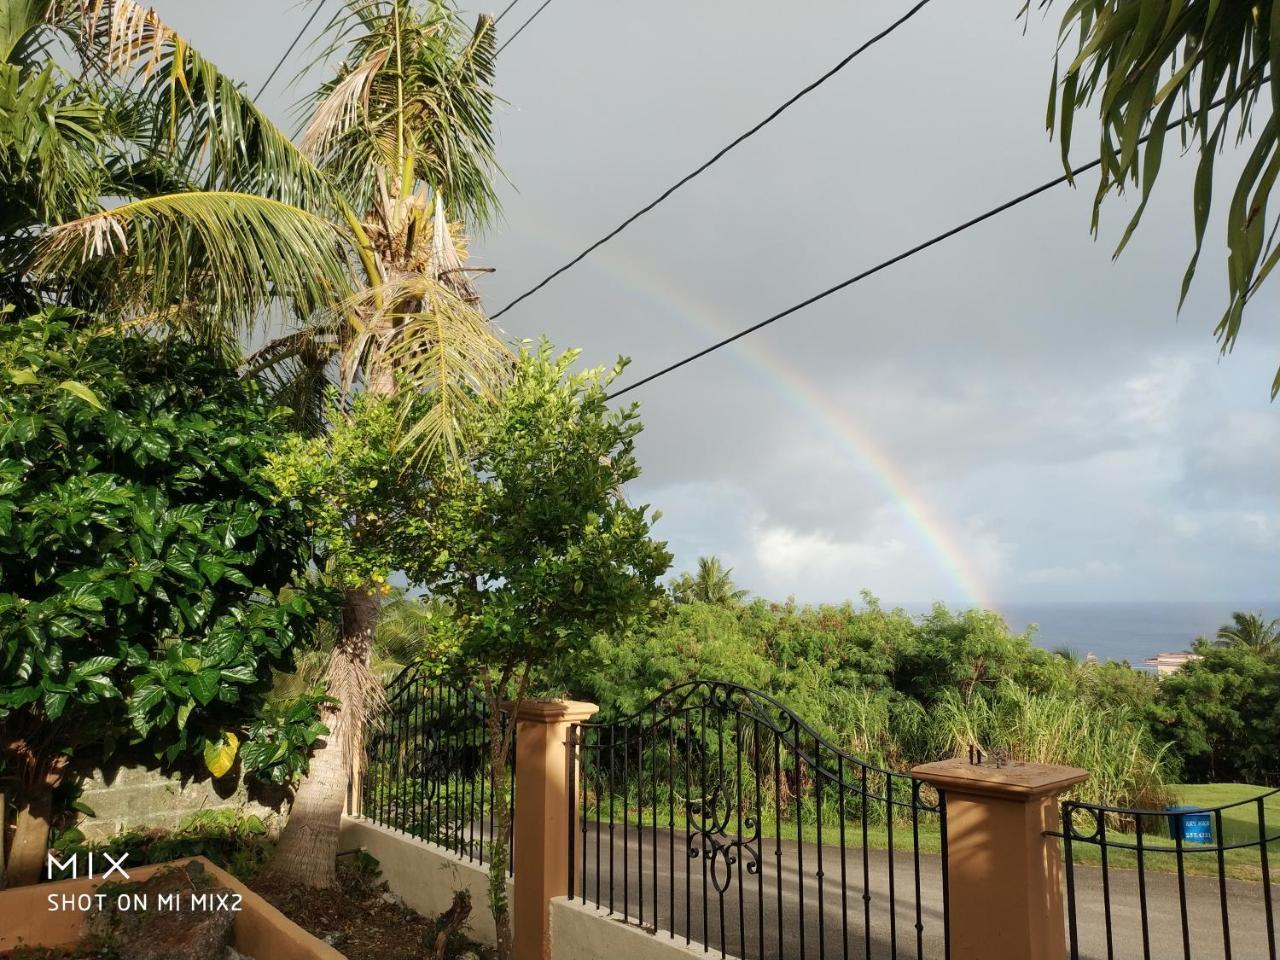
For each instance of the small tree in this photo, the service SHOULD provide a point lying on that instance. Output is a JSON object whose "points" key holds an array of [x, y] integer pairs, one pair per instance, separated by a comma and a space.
{"points": [[148, 575], [365, 502], [532, 544]]}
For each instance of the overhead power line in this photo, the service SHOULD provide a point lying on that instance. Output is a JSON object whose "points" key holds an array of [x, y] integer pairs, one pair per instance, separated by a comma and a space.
{"points": [[505, 10], [285, 56], [719, 154], [898, 258], [520, 29]]}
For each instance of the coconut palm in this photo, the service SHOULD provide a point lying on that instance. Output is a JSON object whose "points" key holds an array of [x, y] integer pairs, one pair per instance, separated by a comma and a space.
{"points": [[415, 630], [345, 248], [1250, 630], [711, 584]]}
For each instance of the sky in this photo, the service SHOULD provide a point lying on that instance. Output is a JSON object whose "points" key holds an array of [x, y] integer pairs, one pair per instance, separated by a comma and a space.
{"points": [[1011, 416]]}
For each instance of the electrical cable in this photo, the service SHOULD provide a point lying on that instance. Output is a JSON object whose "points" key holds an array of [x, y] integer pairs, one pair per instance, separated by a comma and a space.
{"points": [[898, 258], [285, 56], [717, 156], [520, 29], [505, 11]]}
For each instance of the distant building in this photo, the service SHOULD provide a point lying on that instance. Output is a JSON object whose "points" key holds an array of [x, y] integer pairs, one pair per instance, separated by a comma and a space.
{"points": [[1167, 663]]}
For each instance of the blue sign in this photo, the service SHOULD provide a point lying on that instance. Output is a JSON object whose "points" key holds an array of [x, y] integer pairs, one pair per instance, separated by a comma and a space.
{"points": [[1193, 825]]}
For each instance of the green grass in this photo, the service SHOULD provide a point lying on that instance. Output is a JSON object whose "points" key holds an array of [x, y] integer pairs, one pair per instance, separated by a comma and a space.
{"points": [[1239, 824]]}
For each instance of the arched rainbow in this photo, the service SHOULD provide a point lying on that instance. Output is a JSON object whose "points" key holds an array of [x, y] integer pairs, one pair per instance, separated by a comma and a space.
{"points": [[859, 446]]}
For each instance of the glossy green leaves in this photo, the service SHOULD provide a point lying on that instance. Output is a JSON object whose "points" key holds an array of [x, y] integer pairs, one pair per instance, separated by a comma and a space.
{"points": [[143, 556]]}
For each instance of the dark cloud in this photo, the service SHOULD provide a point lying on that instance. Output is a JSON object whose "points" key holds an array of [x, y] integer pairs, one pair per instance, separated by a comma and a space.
{"points": [[1011, 412]]}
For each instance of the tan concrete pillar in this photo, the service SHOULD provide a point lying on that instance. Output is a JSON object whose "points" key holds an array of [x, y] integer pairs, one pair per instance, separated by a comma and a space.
{"points": [[1004, 874], [543, 819]]}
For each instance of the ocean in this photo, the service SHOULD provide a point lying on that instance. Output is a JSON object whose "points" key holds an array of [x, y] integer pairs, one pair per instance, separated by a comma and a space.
{"points": [[1126, 631]]}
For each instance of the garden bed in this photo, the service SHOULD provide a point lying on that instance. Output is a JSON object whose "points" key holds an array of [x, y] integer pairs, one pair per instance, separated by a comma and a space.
{"points": [[33, 927], [363, 919]]}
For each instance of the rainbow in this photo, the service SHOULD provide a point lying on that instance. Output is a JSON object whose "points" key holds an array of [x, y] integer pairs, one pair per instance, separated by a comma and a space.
{"points": [[860, 448]]}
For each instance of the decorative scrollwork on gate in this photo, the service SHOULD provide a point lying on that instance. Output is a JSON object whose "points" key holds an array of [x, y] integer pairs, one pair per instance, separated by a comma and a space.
{"points": [[720, 787]]}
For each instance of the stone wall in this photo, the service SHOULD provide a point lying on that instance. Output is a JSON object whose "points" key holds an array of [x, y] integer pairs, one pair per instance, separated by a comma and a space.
{"points": [[426, 877], [133, 797]]}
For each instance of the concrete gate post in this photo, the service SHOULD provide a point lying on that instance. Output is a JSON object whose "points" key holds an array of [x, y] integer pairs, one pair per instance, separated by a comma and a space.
{"points": [[1004, 874], [544, 784]]}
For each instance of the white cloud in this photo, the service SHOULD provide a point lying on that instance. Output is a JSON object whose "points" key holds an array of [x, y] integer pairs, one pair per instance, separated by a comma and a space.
{"points": [[784, 552], [1152, 398]]}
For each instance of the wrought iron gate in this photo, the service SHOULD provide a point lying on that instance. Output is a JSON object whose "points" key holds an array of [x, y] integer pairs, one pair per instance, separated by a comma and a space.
{"points": [[427, 765], [717, 816]]}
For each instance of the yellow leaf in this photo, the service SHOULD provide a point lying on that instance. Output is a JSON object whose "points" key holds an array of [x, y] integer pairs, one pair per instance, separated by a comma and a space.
{"points": [[78, 389], [218, 757], [24, 378]]}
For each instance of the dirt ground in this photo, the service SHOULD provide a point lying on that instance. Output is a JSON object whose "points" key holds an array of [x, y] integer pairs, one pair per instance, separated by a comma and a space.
{"points": [[362, 919]]}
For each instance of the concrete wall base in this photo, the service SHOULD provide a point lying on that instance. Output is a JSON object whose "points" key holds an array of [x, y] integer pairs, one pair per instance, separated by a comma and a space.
{"points": [[581, 931], [424, 875]]}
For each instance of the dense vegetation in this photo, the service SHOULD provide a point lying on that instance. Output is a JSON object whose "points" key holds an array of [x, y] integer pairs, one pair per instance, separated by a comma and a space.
{"points": [[148, 572], [1221, 714], [898, 690]]}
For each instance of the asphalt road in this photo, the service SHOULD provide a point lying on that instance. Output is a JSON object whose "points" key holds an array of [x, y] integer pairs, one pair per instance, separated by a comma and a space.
{"points": [[821, 907]]}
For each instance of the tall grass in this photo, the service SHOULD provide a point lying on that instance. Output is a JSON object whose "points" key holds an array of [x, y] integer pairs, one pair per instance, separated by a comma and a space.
{"points": [[1126, 767]]}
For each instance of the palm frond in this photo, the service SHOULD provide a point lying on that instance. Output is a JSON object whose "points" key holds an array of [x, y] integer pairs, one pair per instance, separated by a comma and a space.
{"points": [[342, 108], [424, 339], [234, 253], [187, 111], [51, 132], [430, 104], [21, 24]]}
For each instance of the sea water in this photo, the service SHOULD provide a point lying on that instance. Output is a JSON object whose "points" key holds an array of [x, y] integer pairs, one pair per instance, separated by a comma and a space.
{"points": [[1127, 631]]}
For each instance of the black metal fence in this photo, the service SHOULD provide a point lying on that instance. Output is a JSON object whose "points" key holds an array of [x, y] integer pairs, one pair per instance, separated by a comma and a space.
{"points": [[717, 816], [427, 765], [1133, 879]]}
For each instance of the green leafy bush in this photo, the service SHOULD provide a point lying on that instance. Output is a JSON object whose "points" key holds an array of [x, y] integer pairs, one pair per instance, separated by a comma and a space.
{"points": [[240, 844], [149, 577], [1221, 713], [896, 690]]}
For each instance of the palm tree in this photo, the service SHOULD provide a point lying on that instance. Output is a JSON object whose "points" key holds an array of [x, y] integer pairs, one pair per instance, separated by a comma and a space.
{"points": [[711, 584], [415, 630], [1252, 631], [346, 246]]}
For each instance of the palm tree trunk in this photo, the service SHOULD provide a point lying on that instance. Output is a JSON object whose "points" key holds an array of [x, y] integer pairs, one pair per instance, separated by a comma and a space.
{"points": [[308, 846], [31, 839]]}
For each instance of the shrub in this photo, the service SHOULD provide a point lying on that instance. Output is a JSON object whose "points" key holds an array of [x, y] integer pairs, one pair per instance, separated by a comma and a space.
{"points": [[1221, 714], [149, 579]]}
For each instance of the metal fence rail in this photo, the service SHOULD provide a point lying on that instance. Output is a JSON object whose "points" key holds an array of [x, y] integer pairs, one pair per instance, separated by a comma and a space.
{"points": [[717, 816], [427, 765], [1146, 866]]}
